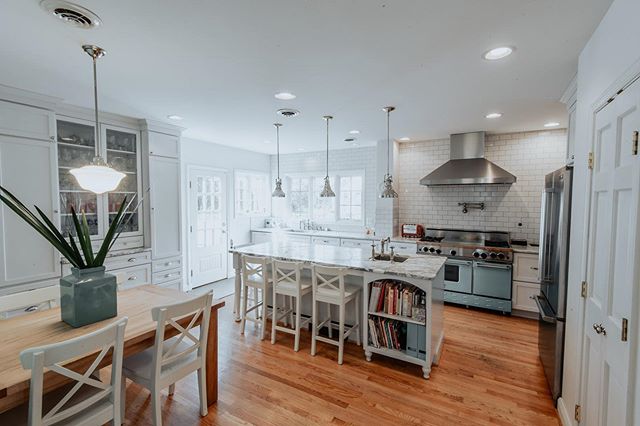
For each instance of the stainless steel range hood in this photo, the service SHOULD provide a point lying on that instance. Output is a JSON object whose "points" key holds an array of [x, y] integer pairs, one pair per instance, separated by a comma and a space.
{"points": [[467, 165]]}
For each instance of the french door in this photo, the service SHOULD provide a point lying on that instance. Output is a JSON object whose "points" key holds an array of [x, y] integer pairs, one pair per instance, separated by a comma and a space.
{"points": [[207, 226], [611, 308]]}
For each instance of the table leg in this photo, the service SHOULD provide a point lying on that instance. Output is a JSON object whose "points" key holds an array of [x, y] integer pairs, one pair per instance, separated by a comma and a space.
{"points": [[237, 295], [212, 358]]}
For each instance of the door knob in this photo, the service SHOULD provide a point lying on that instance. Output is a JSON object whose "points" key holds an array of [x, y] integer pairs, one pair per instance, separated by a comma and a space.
{"points": [[600, 329]]}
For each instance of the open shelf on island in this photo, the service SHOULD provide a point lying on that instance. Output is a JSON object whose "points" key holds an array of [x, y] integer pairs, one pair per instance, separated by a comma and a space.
{"points": [[397, 318]]}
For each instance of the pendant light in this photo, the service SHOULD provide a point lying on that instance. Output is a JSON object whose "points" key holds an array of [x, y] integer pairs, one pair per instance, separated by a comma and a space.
{"points": [[278, 192], [98, 176], [387, 183], [327, 191]]}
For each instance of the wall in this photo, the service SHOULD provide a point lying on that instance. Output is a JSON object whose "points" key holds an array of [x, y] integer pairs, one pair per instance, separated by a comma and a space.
{"points": [[228, 159], [528, 155], [608, 60], [314, 163]]}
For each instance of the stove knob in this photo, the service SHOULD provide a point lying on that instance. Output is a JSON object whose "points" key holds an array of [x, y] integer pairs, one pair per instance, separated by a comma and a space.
{"points": [[431, 249], [438, 251], [493, 255], [453, 252], [501, 256], [476, 254], [425, 249], [483, 255]]}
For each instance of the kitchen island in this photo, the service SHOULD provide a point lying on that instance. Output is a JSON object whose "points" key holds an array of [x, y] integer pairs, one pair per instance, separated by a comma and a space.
{"points": [[423, 274]]}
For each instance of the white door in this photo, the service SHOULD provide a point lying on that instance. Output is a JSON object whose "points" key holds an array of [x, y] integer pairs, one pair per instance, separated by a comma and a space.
{"points": [[207, 226], [612, 270]]}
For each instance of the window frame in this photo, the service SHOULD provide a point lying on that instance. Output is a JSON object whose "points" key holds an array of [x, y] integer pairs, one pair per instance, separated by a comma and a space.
{"points": [[237, 212]]}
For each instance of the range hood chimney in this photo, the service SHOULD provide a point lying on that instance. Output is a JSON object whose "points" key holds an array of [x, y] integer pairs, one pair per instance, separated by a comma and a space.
{"points": [[467, 165]]}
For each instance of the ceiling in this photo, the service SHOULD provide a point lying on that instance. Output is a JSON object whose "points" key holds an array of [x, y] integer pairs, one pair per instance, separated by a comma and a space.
{"points": [[219, 63]]}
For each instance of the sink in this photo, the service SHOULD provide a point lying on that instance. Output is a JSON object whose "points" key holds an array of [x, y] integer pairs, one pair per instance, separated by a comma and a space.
{"points": [[396, 258]]}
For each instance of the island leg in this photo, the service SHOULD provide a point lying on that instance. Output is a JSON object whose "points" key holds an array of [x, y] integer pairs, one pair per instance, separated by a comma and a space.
{"points": [[426, 371], [237, 295], [367, 355]]}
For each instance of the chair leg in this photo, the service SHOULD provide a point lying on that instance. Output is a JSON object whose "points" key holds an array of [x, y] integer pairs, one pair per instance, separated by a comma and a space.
{"points": [[244, 309], [156, 408], [123, 397], [172, 388], [329, 323], [314, 325], [359, 331], [202, 390], [263, 311], [274, 316], [296, 346], [341, 334]]}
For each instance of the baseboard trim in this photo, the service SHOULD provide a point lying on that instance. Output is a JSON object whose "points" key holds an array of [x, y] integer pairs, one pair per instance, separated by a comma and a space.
{"points": [[565, 418]]}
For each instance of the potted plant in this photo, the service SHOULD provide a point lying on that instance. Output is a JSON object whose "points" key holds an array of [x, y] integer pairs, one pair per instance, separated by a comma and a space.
{"points": [[88, 295]]}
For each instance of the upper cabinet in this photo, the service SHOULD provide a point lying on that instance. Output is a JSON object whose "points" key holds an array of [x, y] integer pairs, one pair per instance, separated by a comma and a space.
{"points": [[569, 98], [26, 122]]}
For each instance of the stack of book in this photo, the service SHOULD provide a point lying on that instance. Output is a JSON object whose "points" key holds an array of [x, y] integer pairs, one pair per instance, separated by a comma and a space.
{"points": [[387, 333], [394, 298]]}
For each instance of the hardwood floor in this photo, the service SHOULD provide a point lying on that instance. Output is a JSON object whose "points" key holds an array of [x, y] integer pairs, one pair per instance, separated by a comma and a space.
{"points": [[489, 373]]}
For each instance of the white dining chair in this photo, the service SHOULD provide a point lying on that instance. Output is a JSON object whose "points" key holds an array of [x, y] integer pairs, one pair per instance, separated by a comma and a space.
{"points": [[25, 302], [255, 275], [170, 360], [86, 400], [289, 283], [329, 287]]}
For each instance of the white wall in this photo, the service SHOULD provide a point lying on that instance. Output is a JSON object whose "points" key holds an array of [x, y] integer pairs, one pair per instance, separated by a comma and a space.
{"points": [[528, 155], [608, 60], [228, 159]]}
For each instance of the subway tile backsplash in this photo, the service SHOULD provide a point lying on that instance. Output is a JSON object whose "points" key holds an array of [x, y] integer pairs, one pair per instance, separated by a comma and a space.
{"points": [[514, 208]]}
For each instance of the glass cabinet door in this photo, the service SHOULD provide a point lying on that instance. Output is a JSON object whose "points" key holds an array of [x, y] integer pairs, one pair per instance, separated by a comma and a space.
{"points": [[123, 155], [76, 148]]}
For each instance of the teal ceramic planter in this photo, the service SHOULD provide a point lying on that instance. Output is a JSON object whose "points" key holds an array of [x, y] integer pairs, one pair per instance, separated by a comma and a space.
{"points": [[88, 296]]}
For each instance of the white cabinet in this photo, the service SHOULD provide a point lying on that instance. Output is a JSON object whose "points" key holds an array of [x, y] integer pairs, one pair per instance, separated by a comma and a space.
{"points": [[164, 145], [301, 239], [522, 296], [26, 122], [164, 179], [27, 169], [351, 242], [327, 241], [525, 282], [525, 267], [405, 248], [260, 237]]}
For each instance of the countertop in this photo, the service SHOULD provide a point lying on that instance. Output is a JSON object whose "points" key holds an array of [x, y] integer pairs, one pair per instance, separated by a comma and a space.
{"points": [[421, 267], [528, 249], [335, 234]]}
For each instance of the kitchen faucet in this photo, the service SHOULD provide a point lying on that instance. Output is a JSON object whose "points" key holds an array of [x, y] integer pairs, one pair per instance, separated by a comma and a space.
{"points": [[383, 243]]}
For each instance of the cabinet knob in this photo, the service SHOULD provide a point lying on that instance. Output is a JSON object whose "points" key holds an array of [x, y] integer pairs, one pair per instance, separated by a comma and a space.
{"points": [[535, 268], [132, 278], [131, 259]]}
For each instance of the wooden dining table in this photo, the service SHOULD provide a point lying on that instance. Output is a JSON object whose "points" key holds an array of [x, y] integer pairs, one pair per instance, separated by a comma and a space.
{"points": [[45, 327]]}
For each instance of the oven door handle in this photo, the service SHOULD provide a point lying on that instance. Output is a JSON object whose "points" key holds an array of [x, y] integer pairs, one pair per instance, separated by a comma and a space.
{"points": [[543, 314], [493, 266], [458, 262]]}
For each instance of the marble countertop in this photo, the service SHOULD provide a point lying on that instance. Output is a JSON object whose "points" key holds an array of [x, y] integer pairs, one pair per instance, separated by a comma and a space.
{"points": [[528, 249], [421, 267], [334, 234]]}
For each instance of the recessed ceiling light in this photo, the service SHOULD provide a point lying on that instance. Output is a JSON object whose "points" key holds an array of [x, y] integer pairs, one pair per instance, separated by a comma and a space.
{"points": [[285, 96], [354, 132], [494, 115], [405, 139], [174, 117], [551, 124], [498, 53]]}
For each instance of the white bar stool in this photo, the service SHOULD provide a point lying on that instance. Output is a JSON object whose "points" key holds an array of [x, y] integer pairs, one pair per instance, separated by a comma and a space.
{"points": [[255, 275], [288, 282], [329, 287]]}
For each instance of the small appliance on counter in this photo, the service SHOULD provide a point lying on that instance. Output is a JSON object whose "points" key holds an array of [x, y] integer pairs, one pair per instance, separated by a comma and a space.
{"points": [[270, 222], [410, 230]]}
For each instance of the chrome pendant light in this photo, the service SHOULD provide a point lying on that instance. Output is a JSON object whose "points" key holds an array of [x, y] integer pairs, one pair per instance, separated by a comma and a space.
{"points": [[387, 183], [98, 176], [327, 191], [278, 192]]}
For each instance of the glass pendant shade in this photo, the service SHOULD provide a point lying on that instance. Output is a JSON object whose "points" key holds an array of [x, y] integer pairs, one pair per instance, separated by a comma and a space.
{"points": [[98, 176], [327, 192], [278, 192], [387, 182]]}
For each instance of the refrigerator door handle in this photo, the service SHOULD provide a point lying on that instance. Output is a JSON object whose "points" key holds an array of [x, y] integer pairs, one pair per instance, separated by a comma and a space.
{"points": [[543, 314]]}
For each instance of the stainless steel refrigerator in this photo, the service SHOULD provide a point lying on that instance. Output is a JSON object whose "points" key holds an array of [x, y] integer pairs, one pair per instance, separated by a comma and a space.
{"points": [[553, 269]]}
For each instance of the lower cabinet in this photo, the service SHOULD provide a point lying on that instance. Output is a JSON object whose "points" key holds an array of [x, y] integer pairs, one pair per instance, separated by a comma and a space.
{"points": [[522, 296], [260, 237], [327, 241], [525, 282], [168, 272]]}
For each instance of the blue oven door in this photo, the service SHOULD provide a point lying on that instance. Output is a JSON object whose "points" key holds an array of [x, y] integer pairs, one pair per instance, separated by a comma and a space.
{"points": [[492, 280], [457, 275]]}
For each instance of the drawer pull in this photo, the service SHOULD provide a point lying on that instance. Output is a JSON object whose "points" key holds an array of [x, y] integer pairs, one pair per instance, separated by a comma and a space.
{"points": [[168, 275], [31, 309], [131, 259], [533, 268], [168, 264], [132, 278]]}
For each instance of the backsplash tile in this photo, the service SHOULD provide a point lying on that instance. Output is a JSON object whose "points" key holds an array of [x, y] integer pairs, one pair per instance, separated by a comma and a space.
{"points": [[528, 155]]}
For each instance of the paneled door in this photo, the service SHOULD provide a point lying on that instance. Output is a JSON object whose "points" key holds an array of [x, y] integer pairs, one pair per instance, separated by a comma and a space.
{"points": [[207, 226], [612, 266]]}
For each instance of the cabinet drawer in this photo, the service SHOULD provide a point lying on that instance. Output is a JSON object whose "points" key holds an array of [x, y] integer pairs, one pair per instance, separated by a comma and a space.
{"points": [[133, 277], [300, 239], [164, 145], [173, 285], [123, 243], [127, 260], [328, 241], [404, 248], [166, 276], [26, 122], [525, 267], [522, 293], [347, 242], [166, 264], [260, 237]]}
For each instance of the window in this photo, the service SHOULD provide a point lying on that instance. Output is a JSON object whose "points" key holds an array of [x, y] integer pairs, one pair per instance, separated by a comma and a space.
{"points": [[251, 194], [299, 196], [351, 198], [324, 209]]}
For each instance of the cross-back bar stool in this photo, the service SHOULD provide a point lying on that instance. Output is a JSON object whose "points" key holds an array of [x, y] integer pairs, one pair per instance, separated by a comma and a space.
{"points": [[288, 282], [255, 275]]}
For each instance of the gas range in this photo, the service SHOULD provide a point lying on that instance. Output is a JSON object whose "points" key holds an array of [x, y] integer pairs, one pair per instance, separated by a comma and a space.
{"points": [[475, 245]]}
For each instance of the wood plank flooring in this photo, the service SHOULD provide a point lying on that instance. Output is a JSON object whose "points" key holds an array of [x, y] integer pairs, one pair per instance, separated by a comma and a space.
{"points": [[489, 373]]}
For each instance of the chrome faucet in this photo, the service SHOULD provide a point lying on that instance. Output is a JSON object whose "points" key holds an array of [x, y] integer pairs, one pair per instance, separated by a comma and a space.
{"points": [[383, 243]]}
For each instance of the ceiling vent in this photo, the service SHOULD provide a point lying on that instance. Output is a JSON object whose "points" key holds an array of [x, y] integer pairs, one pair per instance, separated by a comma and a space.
{"points": [[71, 13], [286, 112]]}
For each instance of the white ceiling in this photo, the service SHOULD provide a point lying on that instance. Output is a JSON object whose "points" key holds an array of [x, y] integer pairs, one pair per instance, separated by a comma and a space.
{"points": [[219, 63]]}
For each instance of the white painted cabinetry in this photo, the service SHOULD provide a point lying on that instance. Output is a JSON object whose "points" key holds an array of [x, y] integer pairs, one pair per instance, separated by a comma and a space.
{"points": [[327, 241], [26, 122], [526, 282], [260, 237]]}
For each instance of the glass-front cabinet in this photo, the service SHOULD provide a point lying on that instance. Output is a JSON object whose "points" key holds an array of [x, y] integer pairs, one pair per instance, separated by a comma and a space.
{"points": [[77, 147]]}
